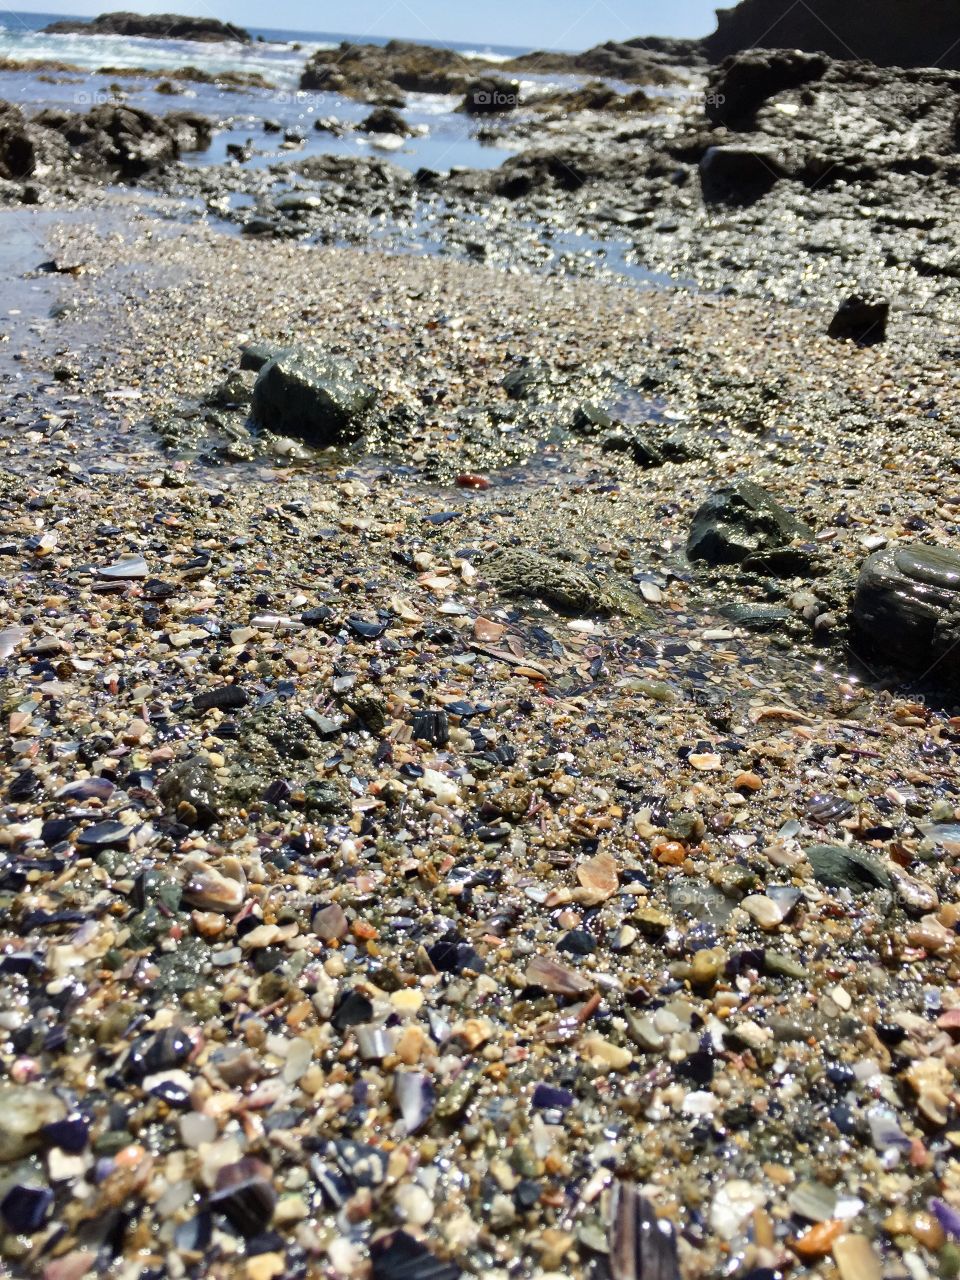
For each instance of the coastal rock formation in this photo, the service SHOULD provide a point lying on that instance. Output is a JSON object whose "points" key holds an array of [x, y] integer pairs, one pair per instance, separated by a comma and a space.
{"points": [[154, 26], [125, 139], [383, 73], [17, 153], [637, 61], [891, 33]]}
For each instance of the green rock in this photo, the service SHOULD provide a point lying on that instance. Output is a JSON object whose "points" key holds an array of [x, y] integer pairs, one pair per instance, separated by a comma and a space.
{"points": [[853, 869], [313, 397], [741, 521]]}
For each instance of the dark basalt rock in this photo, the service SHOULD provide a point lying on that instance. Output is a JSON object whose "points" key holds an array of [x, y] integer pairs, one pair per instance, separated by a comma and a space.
{"points": [[740, 86], [925, 33], [311, 396], [385, 120], [862, 320], [907, 609], [17, 153], [127, 140], [737, 174], [153, 26], [489, 96], [738, 522]]}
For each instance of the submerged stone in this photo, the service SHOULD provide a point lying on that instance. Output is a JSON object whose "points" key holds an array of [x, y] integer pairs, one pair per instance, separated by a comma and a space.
{"points": [[907, 608]]}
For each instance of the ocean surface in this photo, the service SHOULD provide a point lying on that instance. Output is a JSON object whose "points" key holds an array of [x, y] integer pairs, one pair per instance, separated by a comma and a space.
{"points": [[445, 135]]}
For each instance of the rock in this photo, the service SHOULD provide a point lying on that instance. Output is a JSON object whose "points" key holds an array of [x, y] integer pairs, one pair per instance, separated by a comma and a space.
{"points": [[311, 396], [642, 1247], [383, 73], [17, 152], [637, 61], [862, 319], [907, 608], [741, 85], [254, 355], [126, 139], [245, 1194], [385, 120], [489, 96], [839, 867], [26, 1109], [739, 174], [154, 26], [888, 32], [738, 522], [518, 571]]}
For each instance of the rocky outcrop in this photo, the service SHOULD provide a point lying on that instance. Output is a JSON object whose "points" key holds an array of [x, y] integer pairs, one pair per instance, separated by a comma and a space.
{"points": [[634, 61], [491, 96], [384, 73], [154, 26], [126, 140], [891, 33], [17, 151], [385, 120], [837, 121]]}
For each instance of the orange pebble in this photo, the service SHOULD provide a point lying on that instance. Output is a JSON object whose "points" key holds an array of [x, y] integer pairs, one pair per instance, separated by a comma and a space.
{"points": [[669, 853], [818, 1241]]}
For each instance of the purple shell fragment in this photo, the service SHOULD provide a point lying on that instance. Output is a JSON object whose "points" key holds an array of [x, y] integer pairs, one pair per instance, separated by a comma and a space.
{"points": [[642, 1246]]}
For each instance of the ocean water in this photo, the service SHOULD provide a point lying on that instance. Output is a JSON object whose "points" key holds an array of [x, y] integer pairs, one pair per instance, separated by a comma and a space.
{"points": [[445, 136]]}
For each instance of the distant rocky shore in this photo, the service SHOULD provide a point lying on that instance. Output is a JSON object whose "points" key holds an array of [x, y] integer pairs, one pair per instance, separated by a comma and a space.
{"points": [[154, 26]]}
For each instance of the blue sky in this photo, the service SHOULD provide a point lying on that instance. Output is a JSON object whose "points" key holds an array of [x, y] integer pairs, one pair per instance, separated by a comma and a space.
{"points": [[556, 24]]}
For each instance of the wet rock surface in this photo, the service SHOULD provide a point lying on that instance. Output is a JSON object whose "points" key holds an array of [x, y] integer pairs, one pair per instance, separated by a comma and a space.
{"points": [[907, 610], [741, 522], [313, 396]]}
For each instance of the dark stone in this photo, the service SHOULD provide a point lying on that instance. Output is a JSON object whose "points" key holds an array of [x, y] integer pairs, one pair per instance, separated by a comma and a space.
{"points": [[17, 154], [400, 1257], [154, 26], [578, 942], [740, 86], [842, 868], [245, 1194], [907, 608], [229, 697], [25, 1209], [739, 521], [861, 319], [739, 174], [453, 955], [385, 120], [127, 140], [352, 1010], [925, 33], [490, 96], [256, 354], [305, 394]]}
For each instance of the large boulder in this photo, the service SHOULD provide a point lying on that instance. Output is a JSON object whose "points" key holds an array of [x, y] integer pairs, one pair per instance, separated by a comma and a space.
{"points": [[739, 523], [892, 33], [738, 174], [385, 120], [312, 396], [153, 26], [907, 609], [17, 153]]}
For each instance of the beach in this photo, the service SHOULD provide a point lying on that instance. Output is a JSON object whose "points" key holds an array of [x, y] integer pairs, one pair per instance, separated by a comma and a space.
{"points": [[498, 827]]}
